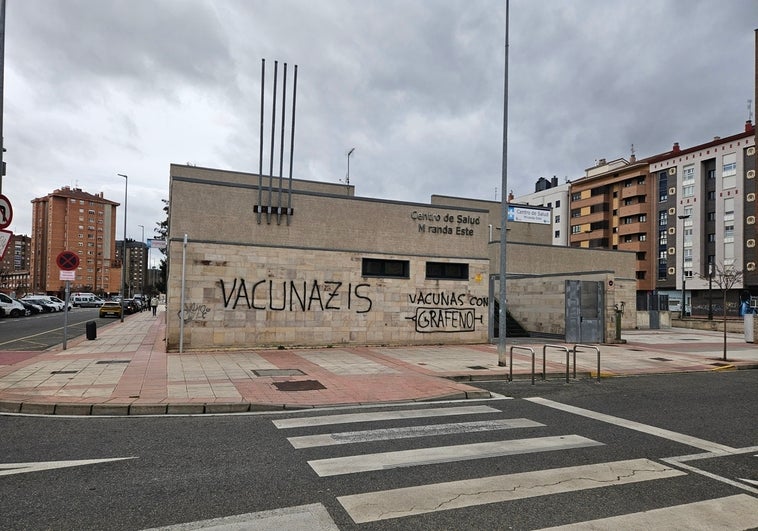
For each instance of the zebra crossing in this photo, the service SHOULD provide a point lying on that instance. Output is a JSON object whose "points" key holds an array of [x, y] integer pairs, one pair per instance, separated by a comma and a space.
{"points": [[732, 512]]}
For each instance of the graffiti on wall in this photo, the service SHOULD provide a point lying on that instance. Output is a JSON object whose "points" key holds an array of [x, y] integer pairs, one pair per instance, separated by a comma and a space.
{"points": [[296, 295], [446, 312], [194, 312]]}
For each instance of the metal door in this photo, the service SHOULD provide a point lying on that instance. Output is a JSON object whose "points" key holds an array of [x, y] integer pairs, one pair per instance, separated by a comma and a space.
{"points": [[584, 312]]}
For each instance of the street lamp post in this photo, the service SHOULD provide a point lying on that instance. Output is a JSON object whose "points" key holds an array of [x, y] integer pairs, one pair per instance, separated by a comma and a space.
{"points": [[144, 259], [683, 217], [123, 250]]}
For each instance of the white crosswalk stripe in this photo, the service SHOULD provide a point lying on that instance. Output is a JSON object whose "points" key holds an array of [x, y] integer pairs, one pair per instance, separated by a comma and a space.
{"points": [[731, 512], [446, 454], [351, 437], [382, 505]]}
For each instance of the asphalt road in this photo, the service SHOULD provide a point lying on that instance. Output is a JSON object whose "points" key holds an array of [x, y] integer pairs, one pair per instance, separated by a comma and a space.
{"points": [[42, 331], [176, 470]]}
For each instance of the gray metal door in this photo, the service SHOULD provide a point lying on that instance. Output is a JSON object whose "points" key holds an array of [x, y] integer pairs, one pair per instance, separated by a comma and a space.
{"points": [[584, 312]]}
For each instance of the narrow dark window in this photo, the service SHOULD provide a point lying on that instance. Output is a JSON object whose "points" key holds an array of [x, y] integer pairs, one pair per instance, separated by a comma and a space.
{"points": [[375, 267], [446, 271]]}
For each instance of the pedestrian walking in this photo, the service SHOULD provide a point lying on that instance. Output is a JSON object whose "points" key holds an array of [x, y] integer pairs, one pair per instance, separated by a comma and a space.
{"points": [[154, 304]]}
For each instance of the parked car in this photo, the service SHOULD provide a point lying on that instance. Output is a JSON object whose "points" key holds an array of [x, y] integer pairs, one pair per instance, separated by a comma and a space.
{"points": [[47, 305], [61, 303], [12, 307], [110, 308], [32, 307], [130, 306]]}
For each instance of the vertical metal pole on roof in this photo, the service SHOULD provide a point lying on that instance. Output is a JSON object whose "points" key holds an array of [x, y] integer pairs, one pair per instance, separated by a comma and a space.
{"points": [[260, 142], [281, 148], [501, 350], [292, 146], [181, 299], [273, 136]]}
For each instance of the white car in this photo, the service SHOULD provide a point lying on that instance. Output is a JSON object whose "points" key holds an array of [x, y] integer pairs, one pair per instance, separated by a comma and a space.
{"points": [[45, 301], [62, 303], [12, 307]]}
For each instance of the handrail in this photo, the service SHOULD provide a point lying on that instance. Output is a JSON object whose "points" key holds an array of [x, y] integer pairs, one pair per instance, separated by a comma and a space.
{"points": [[510, 374], [598, 358], [561, 347]]}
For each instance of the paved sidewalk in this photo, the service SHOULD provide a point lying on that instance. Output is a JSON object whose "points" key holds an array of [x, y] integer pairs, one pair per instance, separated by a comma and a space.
{"points": [[126, 371]]}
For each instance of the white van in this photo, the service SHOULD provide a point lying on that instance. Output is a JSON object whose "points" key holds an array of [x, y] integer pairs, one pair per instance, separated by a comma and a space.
{"points": [[86, 300], [11, 307]]}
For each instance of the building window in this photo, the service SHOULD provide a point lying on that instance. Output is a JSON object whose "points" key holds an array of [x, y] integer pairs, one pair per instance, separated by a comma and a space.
{"points": [[375, 267], [688, 176], [557, 234], [642, 237], [558, 203], [643, 218], [688, 191], [576, 229], [640, 275], [663, 218], [576, 196], [446, 271], [557, 219], [711, 195]]}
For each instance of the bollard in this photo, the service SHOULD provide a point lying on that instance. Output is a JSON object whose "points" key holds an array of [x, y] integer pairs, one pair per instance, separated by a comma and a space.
{"points": [[91, 330]]}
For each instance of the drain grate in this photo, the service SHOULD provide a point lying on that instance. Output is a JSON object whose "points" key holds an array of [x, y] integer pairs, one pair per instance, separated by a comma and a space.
{"points": [[661, 359], [278, 372], [301, 385], [477, 367], [111, 361], [63, 372]]}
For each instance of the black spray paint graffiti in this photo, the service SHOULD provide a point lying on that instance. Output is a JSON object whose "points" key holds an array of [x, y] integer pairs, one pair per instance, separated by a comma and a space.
{"points": [[295, 296], [448, 314], [194, 312]]}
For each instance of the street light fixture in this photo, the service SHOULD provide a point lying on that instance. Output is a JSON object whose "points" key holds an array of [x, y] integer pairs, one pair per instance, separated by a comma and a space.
{"points": [[123, 249], [683, 217]]}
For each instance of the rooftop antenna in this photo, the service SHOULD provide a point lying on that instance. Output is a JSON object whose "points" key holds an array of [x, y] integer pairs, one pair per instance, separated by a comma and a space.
{"points": [[496, 193], [347, 178], [749, 110]]}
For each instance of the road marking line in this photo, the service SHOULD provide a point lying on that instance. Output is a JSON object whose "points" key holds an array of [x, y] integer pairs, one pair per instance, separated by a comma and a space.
{"points": [[324, 420], [313, 517], [7, 469], [397, 503], [732, 512], [632, 425], [349, 437], [446, 454]]}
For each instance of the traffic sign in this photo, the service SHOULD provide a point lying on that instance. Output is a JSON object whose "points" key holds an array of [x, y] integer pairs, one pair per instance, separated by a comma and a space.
{"points": [[5, 239], [67, 260], [6, 212]]}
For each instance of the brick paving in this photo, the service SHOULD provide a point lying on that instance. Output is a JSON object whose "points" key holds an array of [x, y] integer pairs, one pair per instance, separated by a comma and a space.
{"points": [[127, 371]]}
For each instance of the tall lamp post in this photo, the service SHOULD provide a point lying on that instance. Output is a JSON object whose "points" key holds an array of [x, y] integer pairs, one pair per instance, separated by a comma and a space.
{"points": [[683, 218], [143, 254], [123, 250]]}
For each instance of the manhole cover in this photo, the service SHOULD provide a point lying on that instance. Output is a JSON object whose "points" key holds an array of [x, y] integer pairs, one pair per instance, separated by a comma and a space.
{"points": [[477, 367], [660, 359], [111, 361], [278, 372], [63, 372], [302, 385]]}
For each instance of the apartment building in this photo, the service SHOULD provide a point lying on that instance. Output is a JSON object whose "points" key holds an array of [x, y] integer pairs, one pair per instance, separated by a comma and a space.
{"points": [[611, 208], [70, 219], [549, 193], [706, 221], [136, 265], [14, 267]]}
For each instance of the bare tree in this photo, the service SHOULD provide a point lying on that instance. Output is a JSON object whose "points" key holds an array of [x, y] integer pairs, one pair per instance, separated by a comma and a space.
{"points": [[726, 278]]}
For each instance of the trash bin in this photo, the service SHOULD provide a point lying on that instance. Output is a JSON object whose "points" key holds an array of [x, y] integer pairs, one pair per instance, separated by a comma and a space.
{"points": [[91, 330]]}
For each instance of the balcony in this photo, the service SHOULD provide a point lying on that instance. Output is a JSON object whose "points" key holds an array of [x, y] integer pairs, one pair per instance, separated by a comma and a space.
{"points": [[634, 191]]}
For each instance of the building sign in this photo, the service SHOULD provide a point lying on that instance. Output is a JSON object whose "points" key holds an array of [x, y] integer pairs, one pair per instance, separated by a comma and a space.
{"points": [[529, 215], [433, 222]]}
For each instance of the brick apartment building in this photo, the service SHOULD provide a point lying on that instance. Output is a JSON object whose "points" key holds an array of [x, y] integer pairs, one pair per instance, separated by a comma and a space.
{"points": [[73, 220]]}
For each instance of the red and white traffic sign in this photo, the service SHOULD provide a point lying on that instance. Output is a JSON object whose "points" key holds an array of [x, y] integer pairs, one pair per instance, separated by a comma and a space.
{"points": [[5, 239], [67, 260], [6, 212]]}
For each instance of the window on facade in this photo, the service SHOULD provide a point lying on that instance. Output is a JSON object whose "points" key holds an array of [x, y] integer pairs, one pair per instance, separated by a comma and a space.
{"points": [[642, 237], [628, 202], [712, 237], [640, 255], [688, 176], [640, 180], [711, 216], [688, 190], [729, 167], [628, 238], [576, 196], [576, 213], [376, 267], [643, 218], [663, 237], [728, 233], [557, 219], [557, 234], [446, 271], [628, 183], [663, 218], [711, 195], [640, 275], [576, 229], [557, 203]]}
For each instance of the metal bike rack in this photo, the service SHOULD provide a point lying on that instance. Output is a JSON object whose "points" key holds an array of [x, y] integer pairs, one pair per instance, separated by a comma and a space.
{"points": [[566, 350], [598, 358], [510, 372]]}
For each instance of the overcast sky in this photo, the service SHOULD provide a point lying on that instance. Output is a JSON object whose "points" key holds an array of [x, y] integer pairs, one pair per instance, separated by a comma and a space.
{"points": [[94, 88]]}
